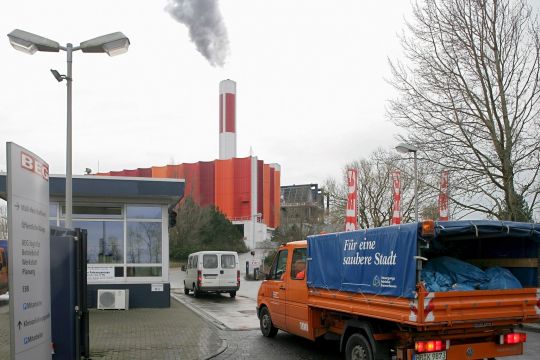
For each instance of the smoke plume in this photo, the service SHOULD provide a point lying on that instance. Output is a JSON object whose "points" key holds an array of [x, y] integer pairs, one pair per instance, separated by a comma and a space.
{"points": [[206, 27]]}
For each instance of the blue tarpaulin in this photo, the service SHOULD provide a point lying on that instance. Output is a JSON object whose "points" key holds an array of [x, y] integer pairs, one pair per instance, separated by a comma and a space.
{"points": [[373, 261]]}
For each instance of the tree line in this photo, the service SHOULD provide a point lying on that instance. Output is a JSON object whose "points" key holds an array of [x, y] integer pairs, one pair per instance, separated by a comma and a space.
{"points": [[467, 97], [202, 228]]}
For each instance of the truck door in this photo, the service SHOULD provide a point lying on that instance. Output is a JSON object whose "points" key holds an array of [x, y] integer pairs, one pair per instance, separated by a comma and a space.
{"points": [[275, 289], [296, 309]]}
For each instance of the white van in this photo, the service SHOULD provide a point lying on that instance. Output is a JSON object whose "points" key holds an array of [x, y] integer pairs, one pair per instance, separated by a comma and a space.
{"points": [[212, 271]]}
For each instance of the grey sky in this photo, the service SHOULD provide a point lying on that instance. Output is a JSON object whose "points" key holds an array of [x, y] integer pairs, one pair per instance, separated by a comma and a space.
{"points": [[310, 82]]}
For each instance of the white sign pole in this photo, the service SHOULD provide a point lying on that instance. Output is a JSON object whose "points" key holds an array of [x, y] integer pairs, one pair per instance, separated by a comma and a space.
{"points": [[29, 254]]}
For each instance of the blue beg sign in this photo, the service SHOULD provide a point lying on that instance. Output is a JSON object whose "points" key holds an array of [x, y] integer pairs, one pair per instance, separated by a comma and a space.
{"points": [[374, 261]]}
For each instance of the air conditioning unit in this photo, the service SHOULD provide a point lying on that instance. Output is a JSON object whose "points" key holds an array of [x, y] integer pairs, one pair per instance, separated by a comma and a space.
{"points": [[111, 299]]}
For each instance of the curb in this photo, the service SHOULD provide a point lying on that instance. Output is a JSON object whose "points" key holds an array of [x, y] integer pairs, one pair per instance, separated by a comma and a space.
{"points": [[208, 319], [221, 350], [202, 314]]}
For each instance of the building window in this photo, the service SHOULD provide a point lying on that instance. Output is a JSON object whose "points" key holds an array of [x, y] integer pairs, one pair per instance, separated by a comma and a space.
{"points": [[105, 241], [144, 212], [95, 211], [143, 242], [140, 271]]}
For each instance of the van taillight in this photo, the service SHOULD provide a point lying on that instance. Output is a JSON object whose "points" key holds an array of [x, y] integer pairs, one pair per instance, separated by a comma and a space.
{"points": [[429, 346], [199, 278], [237, 277], [513, 338]]}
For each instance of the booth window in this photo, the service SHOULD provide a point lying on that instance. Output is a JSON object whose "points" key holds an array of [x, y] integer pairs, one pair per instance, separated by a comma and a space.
{"points": [[105, 241], [143, 242], [95, 211], [146, 271], [144, 236], [144, 212]]}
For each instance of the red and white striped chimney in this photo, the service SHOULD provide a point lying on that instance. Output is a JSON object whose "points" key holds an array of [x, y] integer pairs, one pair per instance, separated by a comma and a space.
{"points": [[227, 119]]}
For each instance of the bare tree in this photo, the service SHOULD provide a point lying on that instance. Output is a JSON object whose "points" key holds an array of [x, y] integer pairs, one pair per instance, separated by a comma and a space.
{"points": [[375, 200], [3, 220], [469, 99]]}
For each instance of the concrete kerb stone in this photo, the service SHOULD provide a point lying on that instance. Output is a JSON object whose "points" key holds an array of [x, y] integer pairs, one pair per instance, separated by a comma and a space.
{"points": [[209, 319]]}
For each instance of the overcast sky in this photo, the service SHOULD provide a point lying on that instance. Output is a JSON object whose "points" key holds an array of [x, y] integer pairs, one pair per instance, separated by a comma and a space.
{"points": [[311, 89]]}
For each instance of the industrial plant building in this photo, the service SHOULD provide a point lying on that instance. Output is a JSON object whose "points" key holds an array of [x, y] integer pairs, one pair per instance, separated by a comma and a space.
{"points": [[246, 190]]}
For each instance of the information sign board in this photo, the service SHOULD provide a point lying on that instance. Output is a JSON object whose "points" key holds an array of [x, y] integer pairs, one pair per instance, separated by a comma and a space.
{"points": [[29, 254]]}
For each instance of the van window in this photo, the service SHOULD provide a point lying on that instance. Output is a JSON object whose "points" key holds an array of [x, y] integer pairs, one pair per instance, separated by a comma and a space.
{"points": [[189, 262], [278, 268], [210, 261], [228, 261], [195, 261]]}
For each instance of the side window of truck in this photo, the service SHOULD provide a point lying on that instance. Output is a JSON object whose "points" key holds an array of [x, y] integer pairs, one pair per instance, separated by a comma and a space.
{"points": [[280, 264], [298, 268]]}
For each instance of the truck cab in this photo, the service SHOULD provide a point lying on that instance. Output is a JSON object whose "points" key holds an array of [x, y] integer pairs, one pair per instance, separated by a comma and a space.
{"points": [[284, 292]]}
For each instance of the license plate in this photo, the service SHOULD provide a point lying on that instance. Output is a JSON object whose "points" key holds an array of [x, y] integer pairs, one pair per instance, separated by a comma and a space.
{"points": [[440, 355]]}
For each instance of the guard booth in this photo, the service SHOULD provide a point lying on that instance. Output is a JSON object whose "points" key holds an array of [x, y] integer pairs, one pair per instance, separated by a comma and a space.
{"points": [[126, 219]]}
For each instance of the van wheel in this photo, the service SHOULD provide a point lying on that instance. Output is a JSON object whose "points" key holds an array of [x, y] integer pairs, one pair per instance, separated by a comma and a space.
{"points": [[358, 348], [267, 328], [233, 294], [186, 290], [196, 292]]}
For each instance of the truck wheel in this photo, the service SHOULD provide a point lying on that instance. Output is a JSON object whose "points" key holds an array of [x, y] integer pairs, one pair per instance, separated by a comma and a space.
{"points": [[196, 291], [186, 290], [233, 294], [358, 348], [267, 328]]}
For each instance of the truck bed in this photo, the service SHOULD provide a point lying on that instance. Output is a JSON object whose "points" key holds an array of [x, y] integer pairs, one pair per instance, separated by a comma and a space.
{"points": [[454, 309]]}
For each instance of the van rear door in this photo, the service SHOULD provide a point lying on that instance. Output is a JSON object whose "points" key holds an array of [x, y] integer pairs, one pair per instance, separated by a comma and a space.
{"points": [[229, 266], [210, 271]]}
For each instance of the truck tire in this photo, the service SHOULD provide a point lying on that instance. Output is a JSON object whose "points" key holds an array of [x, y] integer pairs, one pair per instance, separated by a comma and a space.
{"points": [[196, 291], [232, 294], [186, 290], [267, 327], [358, 348]]}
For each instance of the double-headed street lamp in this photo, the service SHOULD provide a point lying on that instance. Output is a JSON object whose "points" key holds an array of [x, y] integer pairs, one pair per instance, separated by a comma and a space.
{"points": [[406, 148], [112, 44]]}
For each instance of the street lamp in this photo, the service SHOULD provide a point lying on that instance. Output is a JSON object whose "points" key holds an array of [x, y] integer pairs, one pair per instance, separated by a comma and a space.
{"points": [[404, 149], [112, 44]]}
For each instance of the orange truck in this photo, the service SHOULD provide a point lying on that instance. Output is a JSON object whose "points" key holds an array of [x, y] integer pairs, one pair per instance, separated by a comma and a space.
{"points": [[378, 292]]}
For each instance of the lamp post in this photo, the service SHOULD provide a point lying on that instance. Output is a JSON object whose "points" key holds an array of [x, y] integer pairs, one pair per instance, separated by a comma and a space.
{"points": [[404, 149], [112, 44]]}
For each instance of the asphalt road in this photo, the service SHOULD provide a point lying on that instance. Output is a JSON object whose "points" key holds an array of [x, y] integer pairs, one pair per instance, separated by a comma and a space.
{"points": [[239, 327]]}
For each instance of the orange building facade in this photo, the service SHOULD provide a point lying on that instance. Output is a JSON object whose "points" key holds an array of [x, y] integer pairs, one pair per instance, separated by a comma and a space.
{"points": [[241, 188]]}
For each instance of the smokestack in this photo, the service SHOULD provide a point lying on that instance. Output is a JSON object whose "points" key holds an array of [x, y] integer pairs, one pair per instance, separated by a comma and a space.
{"points": [[227, 119]]}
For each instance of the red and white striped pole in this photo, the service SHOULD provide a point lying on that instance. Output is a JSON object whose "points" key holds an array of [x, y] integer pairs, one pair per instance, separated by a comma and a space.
{"points": [[396, 193], [351, 218], [443, 197]]}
